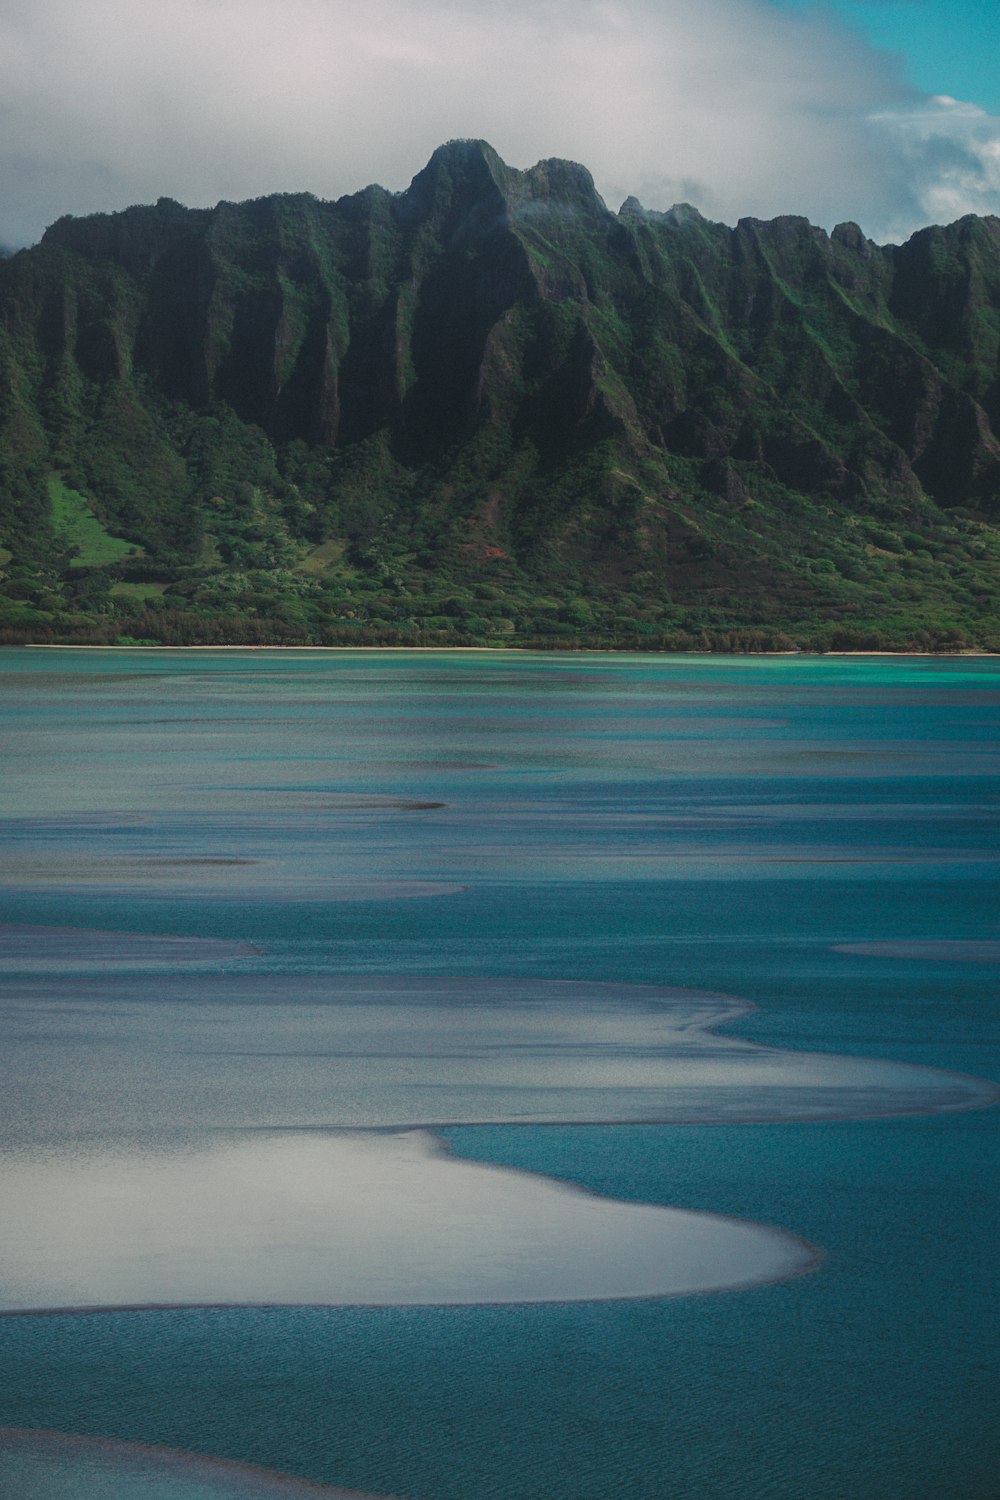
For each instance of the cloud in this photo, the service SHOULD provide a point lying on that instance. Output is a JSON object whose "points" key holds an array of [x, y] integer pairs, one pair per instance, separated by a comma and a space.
{"points": [[738, 105], [952, 151]]}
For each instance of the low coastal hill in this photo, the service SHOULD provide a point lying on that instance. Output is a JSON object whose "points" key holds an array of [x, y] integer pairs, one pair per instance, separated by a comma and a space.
{"points": [[489, 410]]}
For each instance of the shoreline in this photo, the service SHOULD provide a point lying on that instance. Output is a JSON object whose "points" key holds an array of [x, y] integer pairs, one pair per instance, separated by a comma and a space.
{"points": [[527, 650]]}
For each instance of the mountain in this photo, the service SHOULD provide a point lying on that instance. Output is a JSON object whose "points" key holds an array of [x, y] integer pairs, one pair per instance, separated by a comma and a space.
{"points": [[488, 409]]}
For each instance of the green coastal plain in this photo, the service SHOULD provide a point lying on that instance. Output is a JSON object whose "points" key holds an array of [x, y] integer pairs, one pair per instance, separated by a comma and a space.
{"points": [[489, 411]]}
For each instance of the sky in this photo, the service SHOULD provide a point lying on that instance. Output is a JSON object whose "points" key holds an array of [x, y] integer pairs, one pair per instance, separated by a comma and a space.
{"points": [[885, 112]]}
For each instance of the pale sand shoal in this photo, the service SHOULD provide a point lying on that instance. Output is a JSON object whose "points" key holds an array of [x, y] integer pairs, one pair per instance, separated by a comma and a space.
{"points": [[33, 1464], [353, 1218]]}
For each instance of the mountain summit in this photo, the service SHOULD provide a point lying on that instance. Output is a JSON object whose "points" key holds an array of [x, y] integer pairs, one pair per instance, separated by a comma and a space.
{"points": [[489, 408]]}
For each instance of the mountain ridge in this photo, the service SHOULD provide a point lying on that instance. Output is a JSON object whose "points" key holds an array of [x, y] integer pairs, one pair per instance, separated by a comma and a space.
{"points": [[488, 408]]}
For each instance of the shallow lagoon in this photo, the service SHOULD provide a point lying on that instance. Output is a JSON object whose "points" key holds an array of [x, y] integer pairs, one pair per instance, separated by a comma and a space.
{"points": [[718, 825]]}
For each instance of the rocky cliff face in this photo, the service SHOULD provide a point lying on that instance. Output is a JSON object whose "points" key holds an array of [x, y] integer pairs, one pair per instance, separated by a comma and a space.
{"points": [[491, 381]]}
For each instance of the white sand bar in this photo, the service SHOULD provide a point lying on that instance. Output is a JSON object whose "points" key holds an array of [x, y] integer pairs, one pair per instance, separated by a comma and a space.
{"points": [[199, 1138], [111, 1058], [348, 1218]]}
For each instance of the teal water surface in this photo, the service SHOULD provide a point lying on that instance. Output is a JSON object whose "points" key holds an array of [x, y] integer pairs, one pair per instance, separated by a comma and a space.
{"points": [[718, 824]]}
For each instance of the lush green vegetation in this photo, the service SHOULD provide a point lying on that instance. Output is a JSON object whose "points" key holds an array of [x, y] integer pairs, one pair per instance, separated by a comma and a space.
{"points": [[488, 411], [76, 528]]}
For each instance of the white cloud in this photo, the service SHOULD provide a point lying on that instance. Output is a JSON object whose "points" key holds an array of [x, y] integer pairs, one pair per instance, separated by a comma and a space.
{"points": [[742, 106], [952, 151]]}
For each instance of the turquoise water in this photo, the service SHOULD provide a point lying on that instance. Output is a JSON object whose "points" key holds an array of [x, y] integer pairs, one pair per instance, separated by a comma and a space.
{"points": [[710, 823], [43, 1466]]}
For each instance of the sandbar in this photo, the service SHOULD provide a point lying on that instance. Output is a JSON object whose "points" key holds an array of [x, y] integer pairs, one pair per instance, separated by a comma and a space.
{"points": [[35, 1464], [241, 1049], [937, 950], [27, 948], [348, 1218], [214, 878], [254, 1139]]}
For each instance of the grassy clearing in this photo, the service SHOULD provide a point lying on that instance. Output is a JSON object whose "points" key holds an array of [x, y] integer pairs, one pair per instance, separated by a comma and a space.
{"points": [[140, 591], [209, 555], [76, 526], [321, 558]]}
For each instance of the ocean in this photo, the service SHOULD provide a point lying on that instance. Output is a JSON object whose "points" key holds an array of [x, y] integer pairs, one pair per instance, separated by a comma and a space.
{"points": [[326, 974]]}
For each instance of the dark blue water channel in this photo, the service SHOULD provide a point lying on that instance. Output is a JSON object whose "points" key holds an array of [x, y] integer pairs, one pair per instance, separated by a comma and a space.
{"points": [[720, 824]]}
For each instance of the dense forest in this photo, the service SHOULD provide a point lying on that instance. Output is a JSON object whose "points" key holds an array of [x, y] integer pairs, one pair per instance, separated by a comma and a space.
{"points": [[488, 410]]}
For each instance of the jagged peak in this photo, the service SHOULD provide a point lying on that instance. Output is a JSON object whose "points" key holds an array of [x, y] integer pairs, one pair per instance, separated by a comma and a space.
{"points": [[678, 215], [957, 229], [463, 149], [560, 180], [463, 177], [136, 237], [684, 213], [784, 224], [70, 226], [852, 237], [463, 161], [470, 180]]}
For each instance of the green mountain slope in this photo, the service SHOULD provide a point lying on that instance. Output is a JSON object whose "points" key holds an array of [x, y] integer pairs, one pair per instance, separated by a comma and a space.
{"points": [[490, 410]]}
